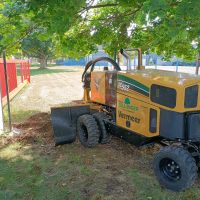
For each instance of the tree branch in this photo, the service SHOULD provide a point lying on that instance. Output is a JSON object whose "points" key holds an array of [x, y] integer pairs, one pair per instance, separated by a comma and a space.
{"points": [[115, 16], [98, 6], [118, 15], [102, 6], [21, 38]]}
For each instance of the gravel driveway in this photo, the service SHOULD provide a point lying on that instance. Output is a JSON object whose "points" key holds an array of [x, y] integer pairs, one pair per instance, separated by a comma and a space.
{"points": [[48, 90]]}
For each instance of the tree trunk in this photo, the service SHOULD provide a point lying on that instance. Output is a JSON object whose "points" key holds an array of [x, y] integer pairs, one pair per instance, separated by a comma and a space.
{"points": [[198, 62], [43, 62]]}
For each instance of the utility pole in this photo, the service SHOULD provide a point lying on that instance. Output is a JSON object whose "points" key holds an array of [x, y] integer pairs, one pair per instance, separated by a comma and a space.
{"points": [[198, 62], [1, 113], [177, 64], [7, 89]]}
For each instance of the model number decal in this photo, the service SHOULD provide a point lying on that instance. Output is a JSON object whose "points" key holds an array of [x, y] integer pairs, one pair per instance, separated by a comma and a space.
{"points": [[123, 86]]}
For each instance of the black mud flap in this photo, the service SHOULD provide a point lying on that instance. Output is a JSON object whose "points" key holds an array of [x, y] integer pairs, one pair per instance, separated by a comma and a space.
{"points": [[64, 122]]}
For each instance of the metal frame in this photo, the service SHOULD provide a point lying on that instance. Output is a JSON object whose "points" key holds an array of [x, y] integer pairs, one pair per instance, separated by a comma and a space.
{"points": [[126, 55]]}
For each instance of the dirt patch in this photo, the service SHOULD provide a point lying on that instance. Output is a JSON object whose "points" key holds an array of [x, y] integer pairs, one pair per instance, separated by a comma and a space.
{"points": [[37, 129]]}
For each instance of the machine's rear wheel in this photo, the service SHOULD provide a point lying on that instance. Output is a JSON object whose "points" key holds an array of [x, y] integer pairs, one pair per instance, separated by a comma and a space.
{"points": [[175, 168], [88, 131], [104, 135]]}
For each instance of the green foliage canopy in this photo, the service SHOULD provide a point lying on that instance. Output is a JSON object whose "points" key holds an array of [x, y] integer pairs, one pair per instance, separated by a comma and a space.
{"points": [[167, 27], [37, 48]]}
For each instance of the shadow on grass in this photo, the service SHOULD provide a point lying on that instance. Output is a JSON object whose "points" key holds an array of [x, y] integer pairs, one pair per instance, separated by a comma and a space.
{"points": [[38, 65], [147, 187], [38, 71], [42, 171], [33, 168], [28, 172]]}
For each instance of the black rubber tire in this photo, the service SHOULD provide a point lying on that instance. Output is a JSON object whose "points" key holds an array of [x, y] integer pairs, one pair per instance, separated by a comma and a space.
{"points": [[104, 135], [186, 166], [87, 130]]}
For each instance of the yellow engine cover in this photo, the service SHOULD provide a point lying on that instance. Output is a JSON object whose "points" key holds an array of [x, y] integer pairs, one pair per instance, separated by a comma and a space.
{"points": [[134, 115]]}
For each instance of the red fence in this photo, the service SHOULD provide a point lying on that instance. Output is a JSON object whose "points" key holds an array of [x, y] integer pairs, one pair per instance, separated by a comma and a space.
{"points": [[25, 71], [12, 74]]}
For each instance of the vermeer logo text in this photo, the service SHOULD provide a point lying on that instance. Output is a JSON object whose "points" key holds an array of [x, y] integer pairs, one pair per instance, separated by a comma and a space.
{"points": [[128, 117]]}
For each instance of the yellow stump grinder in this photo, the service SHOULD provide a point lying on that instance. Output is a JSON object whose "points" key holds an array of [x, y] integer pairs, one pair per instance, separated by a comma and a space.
{"points": [[141, 106]]}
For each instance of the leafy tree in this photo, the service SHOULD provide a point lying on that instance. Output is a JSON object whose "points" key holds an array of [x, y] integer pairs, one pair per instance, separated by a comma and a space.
{"points": [[21, 18], [176, 28], [32, 46], [167, 27], [15, 24]]}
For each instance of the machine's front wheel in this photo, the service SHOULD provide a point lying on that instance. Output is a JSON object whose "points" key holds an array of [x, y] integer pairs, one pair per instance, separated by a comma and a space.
{"points": [[104, 135], [175, 168], [88, 131]]}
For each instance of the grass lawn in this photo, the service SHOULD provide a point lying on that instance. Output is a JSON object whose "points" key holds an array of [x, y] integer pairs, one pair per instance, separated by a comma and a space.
{"points": [[73, 172], [31, 167], [38, 65], [17, 115], [37, 71]]}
